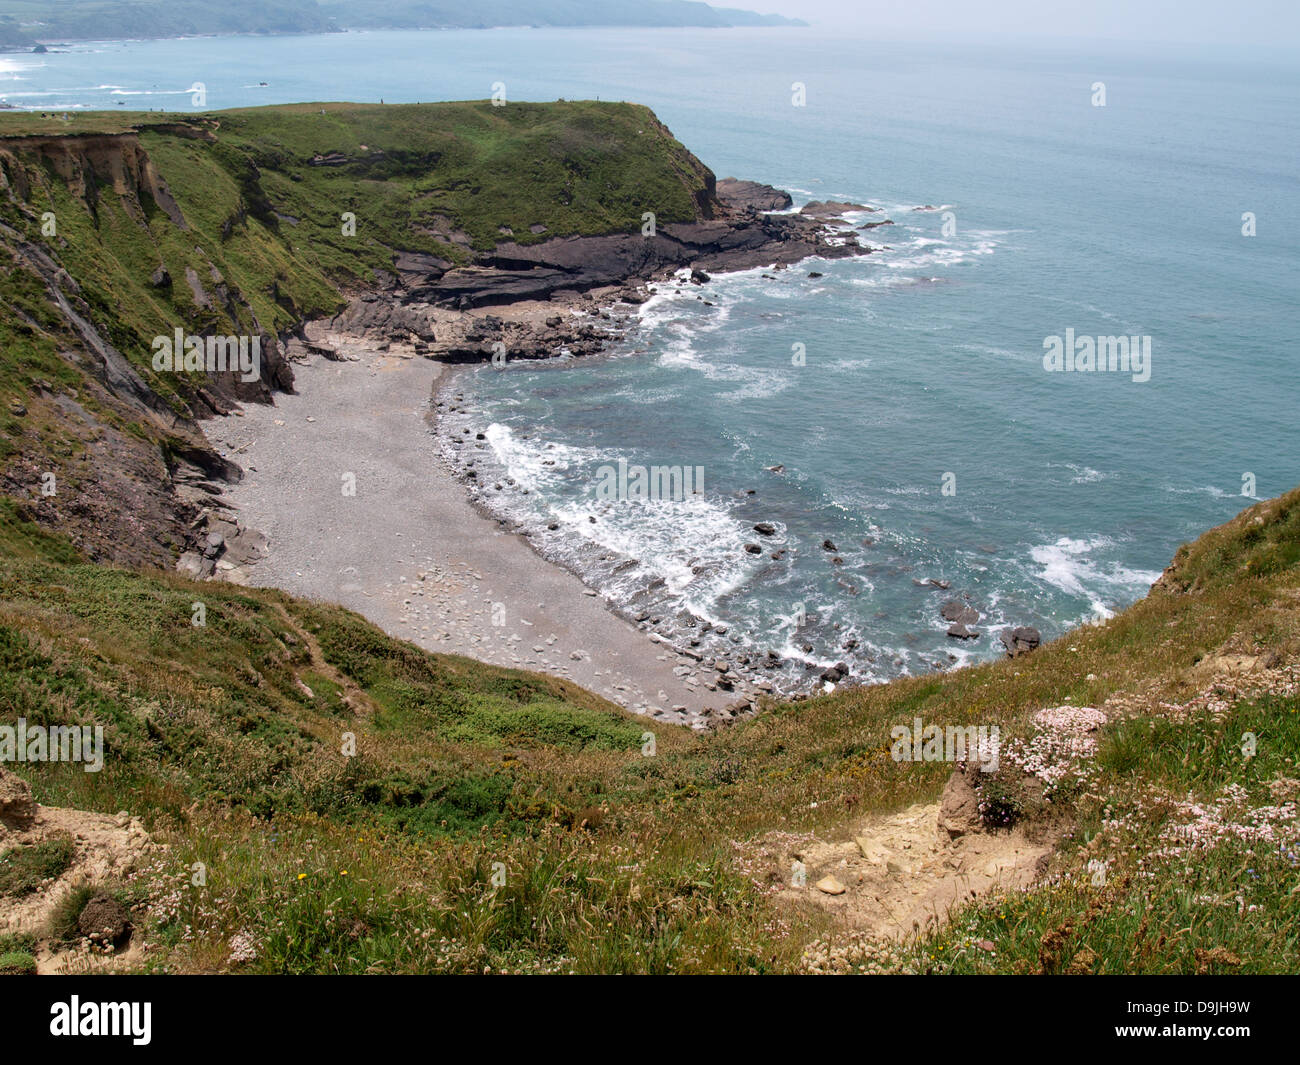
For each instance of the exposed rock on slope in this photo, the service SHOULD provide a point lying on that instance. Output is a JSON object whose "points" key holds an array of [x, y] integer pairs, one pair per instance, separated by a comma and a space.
{"points": [[581, 263], [732, 232]]}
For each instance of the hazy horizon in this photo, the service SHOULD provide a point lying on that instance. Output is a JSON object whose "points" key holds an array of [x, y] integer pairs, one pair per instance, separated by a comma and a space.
{"points": [[1268, 24]]}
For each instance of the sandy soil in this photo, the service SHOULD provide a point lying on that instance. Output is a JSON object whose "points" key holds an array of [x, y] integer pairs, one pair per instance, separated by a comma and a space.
{"points": [[900, 873], [105, 848], [408, 551]]}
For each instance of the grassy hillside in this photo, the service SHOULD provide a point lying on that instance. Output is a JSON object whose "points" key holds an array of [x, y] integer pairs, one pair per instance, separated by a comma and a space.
{"points": [[227, 739], [573, 167], [262, 191]]}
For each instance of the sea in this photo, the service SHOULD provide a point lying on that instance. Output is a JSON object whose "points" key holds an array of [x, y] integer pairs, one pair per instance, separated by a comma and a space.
{"points": [[1042, 195]]}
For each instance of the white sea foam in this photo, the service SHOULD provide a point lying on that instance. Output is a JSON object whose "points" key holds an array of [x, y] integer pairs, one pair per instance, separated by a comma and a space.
{"points": [[1066, 565], [669, 538], [664, 536], [678, 350], [1090, 308], [935, 253], [1081, 474], [986, 349], [848, 365], [1213, 491]]}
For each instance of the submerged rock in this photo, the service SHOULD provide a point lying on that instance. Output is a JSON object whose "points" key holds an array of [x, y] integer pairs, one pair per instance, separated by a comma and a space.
{"points": [[956, 611]]}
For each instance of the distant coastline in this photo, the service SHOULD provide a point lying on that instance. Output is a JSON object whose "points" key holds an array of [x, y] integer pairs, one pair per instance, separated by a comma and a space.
{"points": [[90, 20]]}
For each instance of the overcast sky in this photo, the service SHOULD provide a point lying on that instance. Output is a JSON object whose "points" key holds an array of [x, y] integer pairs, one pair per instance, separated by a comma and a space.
{"points": [[1271, 23]]}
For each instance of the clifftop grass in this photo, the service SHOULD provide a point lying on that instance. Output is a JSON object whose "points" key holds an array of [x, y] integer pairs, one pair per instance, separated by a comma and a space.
{"points": [[574, 167], [260, 195]]}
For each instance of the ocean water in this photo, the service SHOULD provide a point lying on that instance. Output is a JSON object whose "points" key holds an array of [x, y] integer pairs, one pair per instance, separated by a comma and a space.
{"points": [[924, 360]]}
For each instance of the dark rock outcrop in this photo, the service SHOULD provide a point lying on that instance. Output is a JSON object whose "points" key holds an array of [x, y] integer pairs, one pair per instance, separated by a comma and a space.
{"points": [[1020, 640], [827, 209], [514, 272], [961, 613], [752, 196]]}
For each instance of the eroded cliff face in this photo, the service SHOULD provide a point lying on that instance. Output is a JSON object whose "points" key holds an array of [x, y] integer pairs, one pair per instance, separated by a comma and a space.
{"points": [[90, 166], [94, 447], [93, 450]]}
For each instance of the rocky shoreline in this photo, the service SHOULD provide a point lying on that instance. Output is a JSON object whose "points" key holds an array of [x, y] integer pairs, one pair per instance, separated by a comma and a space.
{"points": [[569, 295], [709, 660], [710, 655]]}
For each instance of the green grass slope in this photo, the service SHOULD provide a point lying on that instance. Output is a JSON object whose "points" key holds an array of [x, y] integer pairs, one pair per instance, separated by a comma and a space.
{"points": [[260, 196], [496, 820]]}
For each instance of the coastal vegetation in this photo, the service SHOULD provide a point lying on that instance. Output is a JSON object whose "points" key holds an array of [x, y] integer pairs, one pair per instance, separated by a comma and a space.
{"points": [[252, 221]]}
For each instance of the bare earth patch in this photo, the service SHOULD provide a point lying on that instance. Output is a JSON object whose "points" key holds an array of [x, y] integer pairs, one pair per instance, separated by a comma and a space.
{"points": [[895, 876], [901, 873], [105, 848]]}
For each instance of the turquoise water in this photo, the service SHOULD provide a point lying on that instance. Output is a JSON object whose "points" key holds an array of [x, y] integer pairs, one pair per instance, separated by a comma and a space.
{"points": [[1072, 490]]}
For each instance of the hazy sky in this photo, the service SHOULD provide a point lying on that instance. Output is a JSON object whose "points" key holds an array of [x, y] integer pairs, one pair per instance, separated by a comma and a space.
{"points": [[1271, 23]]}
